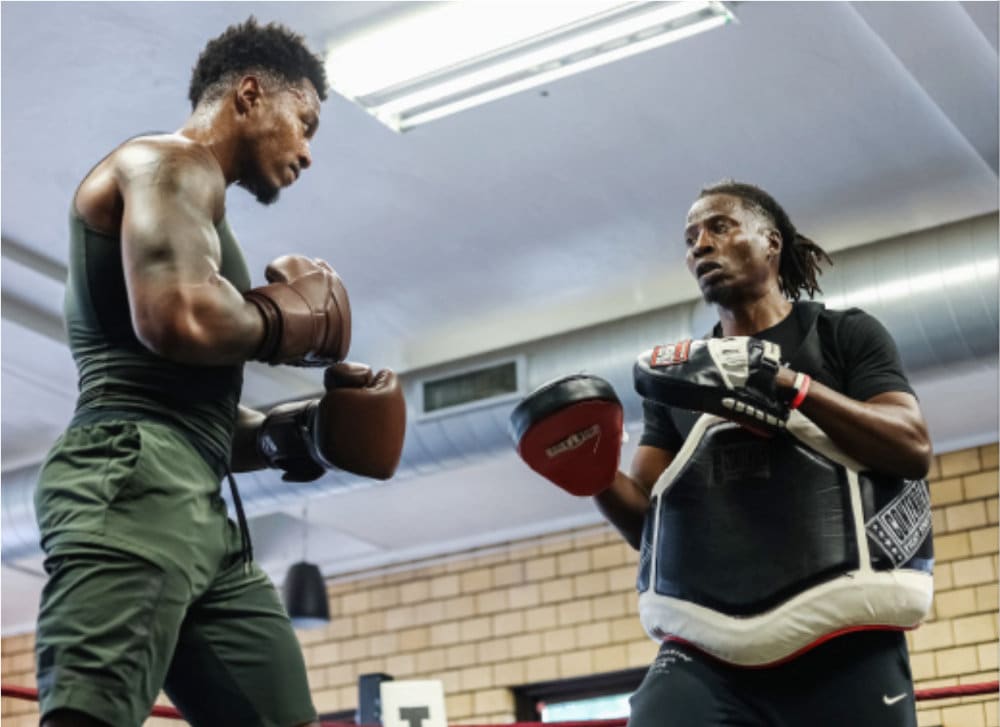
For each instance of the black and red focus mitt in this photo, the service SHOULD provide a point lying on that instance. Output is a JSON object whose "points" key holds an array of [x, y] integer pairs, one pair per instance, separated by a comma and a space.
{"points": [[570, 432], [730, 377]]}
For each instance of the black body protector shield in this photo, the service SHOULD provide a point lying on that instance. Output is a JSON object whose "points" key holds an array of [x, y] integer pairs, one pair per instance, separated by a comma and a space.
{"points": [[755, 550]]}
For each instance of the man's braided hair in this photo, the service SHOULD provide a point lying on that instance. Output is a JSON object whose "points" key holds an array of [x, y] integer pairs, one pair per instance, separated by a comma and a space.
{"points": [[799, 266], [271, 49]]}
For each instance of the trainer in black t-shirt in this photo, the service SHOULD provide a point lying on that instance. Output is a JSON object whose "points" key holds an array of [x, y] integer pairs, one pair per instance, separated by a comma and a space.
{"points": [[860, 361]]}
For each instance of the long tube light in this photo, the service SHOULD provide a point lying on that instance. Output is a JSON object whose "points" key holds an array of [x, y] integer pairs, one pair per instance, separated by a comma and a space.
{"points": [[443, 58]]}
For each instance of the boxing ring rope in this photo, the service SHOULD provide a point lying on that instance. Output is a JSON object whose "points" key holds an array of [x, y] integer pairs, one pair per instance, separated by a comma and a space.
{"points": [[921, 695]]}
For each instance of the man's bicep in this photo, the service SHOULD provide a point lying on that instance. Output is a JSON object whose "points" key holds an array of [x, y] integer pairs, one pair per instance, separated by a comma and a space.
{"points": [[168, 231], [170, 249], [873, 364], [245, 454]]}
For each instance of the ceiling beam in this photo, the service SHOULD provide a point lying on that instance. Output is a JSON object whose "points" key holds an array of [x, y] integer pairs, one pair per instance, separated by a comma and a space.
{"points": [[970, 56], [28, 315], [23, 255]]}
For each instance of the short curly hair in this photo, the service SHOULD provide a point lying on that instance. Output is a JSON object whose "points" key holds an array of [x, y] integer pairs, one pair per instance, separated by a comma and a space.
{"points": [[798, 268], [272, 50]]}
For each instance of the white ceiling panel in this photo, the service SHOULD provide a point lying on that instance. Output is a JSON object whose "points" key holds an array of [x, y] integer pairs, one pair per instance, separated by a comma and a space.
{"points": [[546, 211], [552, 197]]}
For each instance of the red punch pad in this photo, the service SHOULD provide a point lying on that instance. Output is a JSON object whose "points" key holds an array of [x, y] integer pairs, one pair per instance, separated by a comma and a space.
{"points": [[570, 432]]}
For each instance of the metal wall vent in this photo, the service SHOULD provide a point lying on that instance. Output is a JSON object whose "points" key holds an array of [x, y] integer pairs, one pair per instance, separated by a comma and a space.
{"points": [[461, 390]]}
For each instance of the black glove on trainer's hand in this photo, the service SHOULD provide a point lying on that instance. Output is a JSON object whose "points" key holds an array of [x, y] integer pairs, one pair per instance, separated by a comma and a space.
{"points": [[730, 377]]}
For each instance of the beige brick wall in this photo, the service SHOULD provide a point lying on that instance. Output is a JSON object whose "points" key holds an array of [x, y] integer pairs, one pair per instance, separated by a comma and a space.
{"points": [[484, 621], [564, 606], [958, 643]]}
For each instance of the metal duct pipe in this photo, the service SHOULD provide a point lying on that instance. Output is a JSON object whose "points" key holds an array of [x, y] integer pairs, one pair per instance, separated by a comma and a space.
{"points": [[936, 290]]}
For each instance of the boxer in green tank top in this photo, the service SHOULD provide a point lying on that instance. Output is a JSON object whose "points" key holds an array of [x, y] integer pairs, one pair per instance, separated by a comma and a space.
{"points": [[150, 584]]}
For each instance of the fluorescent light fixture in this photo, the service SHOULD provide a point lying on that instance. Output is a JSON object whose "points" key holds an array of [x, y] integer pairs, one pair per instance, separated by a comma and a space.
{"points": [[442, 58]]}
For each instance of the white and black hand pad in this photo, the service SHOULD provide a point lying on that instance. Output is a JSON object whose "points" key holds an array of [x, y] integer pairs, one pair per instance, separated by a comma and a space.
{"points": [[730, 377], [570, 432]]}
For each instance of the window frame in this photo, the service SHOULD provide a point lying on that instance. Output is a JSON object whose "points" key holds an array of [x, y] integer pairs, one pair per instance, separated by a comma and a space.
{"points": [[527, 697]]}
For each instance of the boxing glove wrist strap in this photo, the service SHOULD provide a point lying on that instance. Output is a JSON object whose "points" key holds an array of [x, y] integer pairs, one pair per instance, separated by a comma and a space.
{"points": [[285, 442], [271, 317]]}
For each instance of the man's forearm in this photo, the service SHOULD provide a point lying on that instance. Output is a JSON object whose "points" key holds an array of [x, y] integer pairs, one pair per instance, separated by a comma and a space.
{"points": [[245, 455], [206, 324], [624, 504], [886, 433]]}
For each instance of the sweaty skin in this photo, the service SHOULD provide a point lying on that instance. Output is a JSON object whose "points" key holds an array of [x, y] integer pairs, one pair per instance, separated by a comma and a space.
{"points": [[163, 197], [734, 252]]}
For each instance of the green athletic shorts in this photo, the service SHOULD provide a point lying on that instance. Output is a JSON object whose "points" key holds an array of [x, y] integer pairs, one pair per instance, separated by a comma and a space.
{"points": [[147, 588]]}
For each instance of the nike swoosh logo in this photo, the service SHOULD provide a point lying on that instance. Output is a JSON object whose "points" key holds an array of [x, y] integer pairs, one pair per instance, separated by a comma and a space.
{"points": [[892, 700]]}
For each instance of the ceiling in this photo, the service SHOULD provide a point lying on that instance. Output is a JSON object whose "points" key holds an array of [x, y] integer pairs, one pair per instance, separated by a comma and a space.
{"points": [[507, 223]]}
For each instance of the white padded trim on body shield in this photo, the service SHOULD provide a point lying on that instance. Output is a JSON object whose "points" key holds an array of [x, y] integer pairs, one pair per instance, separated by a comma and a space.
{"points": [[891, 599], [684, 454], [857, 599]]}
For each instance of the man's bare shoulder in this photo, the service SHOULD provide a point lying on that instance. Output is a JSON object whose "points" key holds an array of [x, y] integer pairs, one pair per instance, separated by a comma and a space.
{"points": [[166, 164], [167, 158]]}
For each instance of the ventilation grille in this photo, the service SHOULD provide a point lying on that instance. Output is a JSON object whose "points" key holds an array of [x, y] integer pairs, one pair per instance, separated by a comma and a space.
{"points": [[461, 390]]}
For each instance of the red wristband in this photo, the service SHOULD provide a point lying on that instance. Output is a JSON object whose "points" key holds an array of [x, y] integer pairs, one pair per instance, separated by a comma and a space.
{"points": [[801, 385]]}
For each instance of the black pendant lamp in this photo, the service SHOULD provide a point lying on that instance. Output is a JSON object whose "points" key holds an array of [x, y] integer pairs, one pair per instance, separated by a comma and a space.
{"points": [[305, 596], [304, 591]]}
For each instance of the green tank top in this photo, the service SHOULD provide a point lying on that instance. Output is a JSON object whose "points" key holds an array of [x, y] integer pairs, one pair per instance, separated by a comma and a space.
{"points": [[121, 378]]}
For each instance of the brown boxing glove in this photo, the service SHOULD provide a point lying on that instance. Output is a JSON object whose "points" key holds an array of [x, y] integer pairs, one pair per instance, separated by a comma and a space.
{"points": [[361, 421], [306, 312], [357, 426]]}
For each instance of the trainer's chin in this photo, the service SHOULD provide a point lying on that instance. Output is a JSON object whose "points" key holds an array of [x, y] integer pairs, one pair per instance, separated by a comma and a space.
{"points": [[262, 190], [716, 294]]}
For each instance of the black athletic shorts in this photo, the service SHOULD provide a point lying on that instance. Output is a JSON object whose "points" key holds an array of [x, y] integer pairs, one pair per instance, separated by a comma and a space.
{"points": [[859, 680]]}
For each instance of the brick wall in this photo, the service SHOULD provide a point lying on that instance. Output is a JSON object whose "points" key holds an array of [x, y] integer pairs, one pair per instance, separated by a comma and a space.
{"points": [[958, 643], [564, 606]]}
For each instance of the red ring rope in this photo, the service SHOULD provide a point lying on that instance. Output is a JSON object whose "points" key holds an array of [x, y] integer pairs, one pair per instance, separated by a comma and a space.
{"points": [[959, 690]]}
